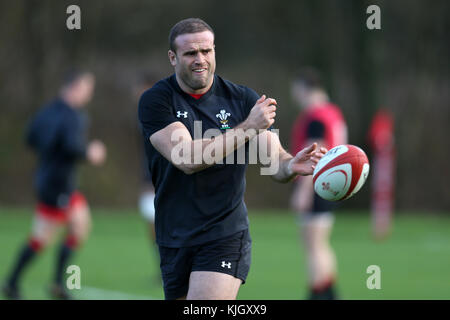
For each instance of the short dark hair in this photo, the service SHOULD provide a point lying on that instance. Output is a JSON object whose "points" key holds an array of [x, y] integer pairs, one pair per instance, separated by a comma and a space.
{"points": [[190, 25], [309, 77], [72, 75]]}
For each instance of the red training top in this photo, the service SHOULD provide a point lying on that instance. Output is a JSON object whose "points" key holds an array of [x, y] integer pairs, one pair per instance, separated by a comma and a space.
{"points": [[330, 116]]}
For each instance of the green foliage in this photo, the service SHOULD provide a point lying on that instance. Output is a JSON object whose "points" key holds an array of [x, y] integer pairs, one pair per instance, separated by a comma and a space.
{"points": [[402, 67]]}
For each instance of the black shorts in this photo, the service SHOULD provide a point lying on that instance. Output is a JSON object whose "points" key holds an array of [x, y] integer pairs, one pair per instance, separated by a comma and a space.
{"points": [[55, 197], [322, 206], [230, 255]]}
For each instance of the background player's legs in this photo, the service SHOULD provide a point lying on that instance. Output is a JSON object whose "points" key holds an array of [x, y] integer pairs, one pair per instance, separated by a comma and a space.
{"points": [[147, 209], [316, 231], [207, 285], [80, 222], [79, 225], [43, 232]]}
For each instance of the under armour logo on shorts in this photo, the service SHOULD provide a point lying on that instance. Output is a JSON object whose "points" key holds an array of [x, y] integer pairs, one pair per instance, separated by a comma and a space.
{"points": [[228, 265], [184, 114]]}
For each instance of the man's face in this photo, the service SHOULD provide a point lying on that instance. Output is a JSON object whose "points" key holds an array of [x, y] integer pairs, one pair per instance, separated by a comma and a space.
{"points": [[194, 61]]}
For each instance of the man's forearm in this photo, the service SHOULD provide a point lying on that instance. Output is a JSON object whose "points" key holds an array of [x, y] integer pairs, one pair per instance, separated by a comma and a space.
{"points": [[207, 152], [284, 173]]}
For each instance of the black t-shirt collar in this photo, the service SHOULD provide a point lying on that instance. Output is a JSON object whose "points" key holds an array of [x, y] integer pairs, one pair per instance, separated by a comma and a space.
{"points": [[187, 96]]}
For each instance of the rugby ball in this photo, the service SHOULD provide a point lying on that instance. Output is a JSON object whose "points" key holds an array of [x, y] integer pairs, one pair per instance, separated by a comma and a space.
{"points": [[341, 172]]}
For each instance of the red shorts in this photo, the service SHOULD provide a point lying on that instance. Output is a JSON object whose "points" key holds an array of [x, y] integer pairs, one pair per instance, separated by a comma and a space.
{"points": [[61, 215]]}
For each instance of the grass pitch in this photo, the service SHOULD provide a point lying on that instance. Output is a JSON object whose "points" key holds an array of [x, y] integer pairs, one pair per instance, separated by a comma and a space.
{"points": [[119, 262]]}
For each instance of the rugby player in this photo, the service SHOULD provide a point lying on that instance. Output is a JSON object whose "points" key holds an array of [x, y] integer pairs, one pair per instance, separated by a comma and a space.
{"points": [[322, 122], [57, 134], [201, 219]]}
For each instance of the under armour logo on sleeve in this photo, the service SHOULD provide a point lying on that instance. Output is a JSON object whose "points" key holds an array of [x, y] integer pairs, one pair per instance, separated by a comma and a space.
{"points": [[228, 265]]}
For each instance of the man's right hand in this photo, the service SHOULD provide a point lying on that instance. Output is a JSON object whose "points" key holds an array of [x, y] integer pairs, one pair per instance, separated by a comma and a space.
{"points": [[262, 115]]}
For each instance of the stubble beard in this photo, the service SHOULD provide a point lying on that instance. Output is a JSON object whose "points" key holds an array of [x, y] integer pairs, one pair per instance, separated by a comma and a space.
{"points": [[199, 83]]}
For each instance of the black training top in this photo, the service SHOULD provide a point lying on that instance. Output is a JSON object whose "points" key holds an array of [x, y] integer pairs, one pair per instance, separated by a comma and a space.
{"points": [[57, 135], [207, 205]]}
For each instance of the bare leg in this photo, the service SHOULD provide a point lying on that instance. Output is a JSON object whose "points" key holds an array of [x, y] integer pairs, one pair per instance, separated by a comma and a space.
{"points": [[207, 285], [320, 255], [80, 222], [78, 229], [44, 230]]}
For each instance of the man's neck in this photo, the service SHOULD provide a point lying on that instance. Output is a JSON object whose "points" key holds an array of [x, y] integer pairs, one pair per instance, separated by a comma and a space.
{"points": [[317, 98], [67, 98]]}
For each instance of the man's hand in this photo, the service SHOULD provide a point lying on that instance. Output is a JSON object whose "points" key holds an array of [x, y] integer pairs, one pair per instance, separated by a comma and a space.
{"points": [[96, 152], [305, 161], [262, 115]]}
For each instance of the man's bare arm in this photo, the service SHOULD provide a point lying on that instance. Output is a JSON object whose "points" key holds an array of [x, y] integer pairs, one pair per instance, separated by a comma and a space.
{"points": [[176, 134], [303, 163]]}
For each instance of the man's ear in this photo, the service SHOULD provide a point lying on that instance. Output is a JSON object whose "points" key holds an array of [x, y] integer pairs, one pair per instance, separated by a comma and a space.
{"points": [[172, 58]]}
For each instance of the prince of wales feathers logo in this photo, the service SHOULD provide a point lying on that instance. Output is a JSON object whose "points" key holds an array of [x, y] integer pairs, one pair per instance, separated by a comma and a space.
{"points": [[223, 115]]}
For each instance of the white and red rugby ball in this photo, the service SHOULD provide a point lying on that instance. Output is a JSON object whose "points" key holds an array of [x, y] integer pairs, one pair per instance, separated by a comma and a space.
{"points": [[341, 172]]}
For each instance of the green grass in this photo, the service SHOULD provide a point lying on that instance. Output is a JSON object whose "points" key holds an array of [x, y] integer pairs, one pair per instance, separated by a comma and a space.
{"points": [[118, 261]]}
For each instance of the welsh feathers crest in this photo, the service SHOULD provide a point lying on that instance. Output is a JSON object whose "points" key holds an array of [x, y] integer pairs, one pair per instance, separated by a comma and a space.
{"points": [[223, 116]]}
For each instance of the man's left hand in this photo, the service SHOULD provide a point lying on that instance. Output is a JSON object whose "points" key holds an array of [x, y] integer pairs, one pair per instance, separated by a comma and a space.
{"points": [[305, 160]]}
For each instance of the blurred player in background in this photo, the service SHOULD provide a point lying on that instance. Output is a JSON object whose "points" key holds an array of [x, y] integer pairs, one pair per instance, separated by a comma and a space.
{"points": [[320, 121], [147, 195], [381, 139], [58, 136]]}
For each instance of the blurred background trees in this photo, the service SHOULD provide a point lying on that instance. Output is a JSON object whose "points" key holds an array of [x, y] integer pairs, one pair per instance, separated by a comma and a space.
{"points": [[402, 67]]}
